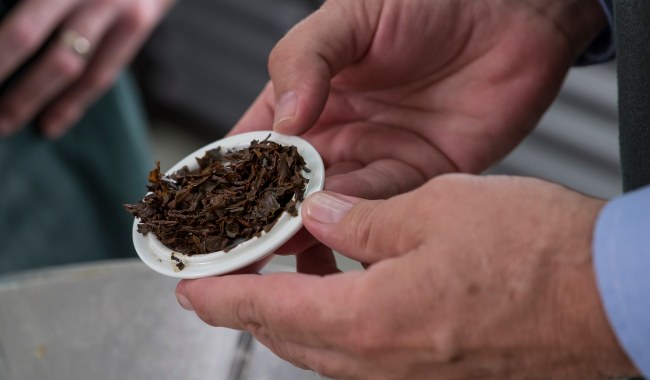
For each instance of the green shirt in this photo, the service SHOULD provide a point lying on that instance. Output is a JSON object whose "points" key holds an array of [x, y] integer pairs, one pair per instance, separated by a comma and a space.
{"points": [[61, 201]]}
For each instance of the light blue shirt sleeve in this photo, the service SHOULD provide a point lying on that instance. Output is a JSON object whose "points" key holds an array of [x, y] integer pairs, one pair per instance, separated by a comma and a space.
{"points": [[621, 250]]}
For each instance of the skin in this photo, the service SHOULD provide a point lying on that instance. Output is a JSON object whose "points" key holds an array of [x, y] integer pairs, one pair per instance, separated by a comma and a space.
{"points": [[59, 86], [456, 289], [393, 93], [468, 277]]}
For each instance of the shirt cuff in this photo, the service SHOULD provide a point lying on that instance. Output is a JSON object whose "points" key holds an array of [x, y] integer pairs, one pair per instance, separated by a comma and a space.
{"points": [[602, 48], [621, 253]]}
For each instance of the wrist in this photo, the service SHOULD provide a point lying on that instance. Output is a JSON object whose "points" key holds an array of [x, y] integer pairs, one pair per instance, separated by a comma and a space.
{"points": [[579, 21], [582, 326]]}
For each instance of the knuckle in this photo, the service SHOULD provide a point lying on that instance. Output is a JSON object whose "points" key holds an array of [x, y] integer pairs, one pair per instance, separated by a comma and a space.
{"points": [[282, 55], [363, 226], [277, 55], [246, 313], [138, 17]]}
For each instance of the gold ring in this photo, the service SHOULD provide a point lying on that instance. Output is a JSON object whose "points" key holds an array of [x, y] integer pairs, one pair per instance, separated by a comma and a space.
{"points": [[76, 43]]}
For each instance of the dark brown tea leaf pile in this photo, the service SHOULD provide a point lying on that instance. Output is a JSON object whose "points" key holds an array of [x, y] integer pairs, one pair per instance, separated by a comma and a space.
{"points": [[230, 198]]}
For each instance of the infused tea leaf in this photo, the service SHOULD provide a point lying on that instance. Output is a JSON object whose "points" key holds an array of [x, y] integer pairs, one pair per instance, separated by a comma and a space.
{"points": [[232, 197]]}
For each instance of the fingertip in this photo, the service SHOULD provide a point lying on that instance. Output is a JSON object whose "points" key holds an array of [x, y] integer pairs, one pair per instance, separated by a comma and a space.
{"points": [[285, 111], [181, 296], [301, 82], [285, 127], [184, 302], [53, 131], [54, 124], [180, 287], [360, 229], [10, 122], [325, 207], [5, 128], [294, 119]]}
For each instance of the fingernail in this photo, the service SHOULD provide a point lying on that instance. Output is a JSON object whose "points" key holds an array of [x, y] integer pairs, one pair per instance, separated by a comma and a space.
{"points": [[184, 302], [326, 208], [285, 109]]}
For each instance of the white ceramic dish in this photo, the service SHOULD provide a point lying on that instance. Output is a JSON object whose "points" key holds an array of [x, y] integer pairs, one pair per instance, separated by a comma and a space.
{"points": [[159, 257]]}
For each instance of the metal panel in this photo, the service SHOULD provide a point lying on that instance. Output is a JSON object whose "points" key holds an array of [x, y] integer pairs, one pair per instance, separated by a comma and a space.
{"points": [[118, 320], [576, 142]]}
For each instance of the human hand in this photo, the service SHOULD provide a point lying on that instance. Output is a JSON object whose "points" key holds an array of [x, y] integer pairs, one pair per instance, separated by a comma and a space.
{"points": [[394, 92], [65, 79], [472, 277]]}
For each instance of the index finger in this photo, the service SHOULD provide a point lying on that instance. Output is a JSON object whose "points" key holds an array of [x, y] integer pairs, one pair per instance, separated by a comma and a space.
{"points": [[290, 307], [305, 60]]}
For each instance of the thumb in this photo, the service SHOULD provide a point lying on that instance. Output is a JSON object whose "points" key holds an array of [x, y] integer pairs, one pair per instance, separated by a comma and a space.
{"points": [[303, 63], [366, 231]]}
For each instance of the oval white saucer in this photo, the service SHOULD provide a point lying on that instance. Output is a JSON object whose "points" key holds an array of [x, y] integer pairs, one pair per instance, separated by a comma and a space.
{"points": [[164, 260]]}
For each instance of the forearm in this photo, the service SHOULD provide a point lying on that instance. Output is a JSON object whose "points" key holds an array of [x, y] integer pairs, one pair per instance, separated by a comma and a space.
{"points": [[580, 21]]}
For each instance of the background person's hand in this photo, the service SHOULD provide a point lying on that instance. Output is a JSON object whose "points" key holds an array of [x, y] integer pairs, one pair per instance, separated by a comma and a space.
{"points": [[472, 278], [64, 80]]}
